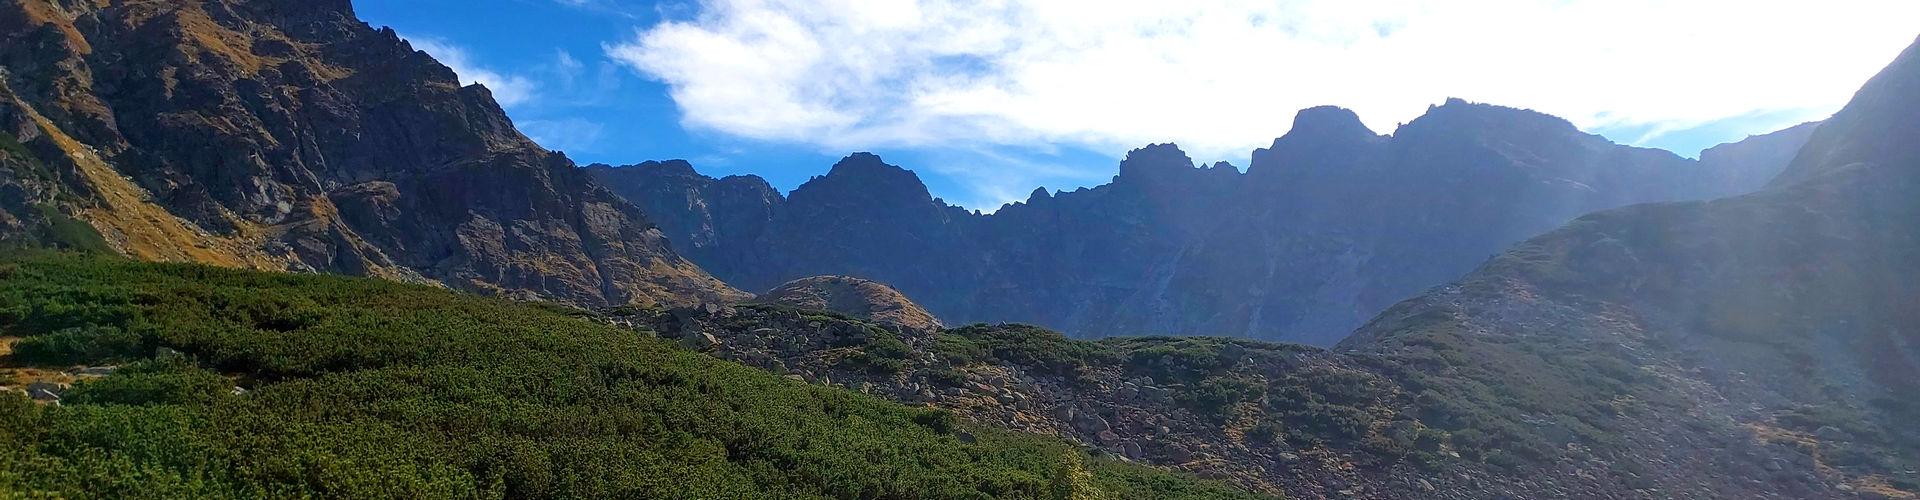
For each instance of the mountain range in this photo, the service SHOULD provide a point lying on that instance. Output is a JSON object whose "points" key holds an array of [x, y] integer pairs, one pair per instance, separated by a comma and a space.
{"points": [[1506, 307], [1325, 228]]}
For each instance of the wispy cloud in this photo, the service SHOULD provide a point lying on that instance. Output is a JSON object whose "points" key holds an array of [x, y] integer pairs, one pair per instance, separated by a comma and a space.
{"points": [[567, 134], [509, 89], [608, 7], [545, 91], [1225, 77]]}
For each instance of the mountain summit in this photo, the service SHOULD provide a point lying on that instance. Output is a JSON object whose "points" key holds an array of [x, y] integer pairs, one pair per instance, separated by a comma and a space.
{"points": [[289, 135]]}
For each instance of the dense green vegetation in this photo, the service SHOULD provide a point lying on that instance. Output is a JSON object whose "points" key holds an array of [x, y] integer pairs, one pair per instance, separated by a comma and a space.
{"points": [[1026, 345], [367, 389]]}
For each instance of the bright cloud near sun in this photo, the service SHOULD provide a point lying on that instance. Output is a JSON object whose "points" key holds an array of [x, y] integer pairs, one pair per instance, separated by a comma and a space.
{"points": [[508, 89], [1223, 77]]}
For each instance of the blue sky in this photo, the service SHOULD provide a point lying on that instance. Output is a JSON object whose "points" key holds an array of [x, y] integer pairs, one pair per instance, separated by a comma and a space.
{"points": [[599, 111], [988, 99]]}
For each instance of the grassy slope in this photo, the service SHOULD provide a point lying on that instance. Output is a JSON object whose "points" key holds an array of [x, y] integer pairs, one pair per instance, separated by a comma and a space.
{"points": [[364, 388]]}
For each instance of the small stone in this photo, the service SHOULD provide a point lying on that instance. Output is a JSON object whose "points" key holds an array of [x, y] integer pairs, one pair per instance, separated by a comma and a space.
{"points": [[42, 395], [1831, 433], [50, 387], [1107, 437], [700, 341], [239, 391], [95, 371]]}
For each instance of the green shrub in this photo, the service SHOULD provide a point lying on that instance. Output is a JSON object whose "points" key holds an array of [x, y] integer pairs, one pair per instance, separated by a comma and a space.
{"points": [[883, 351], [1217, 396], [1038, 348], [370, 389], [78, 345], [173, 381], [70, 233]]}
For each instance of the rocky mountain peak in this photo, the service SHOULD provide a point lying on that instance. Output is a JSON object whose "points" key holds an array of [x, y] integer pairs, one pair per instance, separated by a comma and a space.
{"points": [[1874, 129], [866, 172], [1321, 136], [864, 164], [1039, 194], [1329, 123], [1459, 115], [290, 135], [1155, 162], [674, 167]]}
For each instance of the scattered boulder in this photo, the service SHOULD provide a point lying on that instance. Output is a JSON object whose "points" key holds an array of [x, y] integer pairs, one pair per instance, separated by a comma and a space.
{"points": [[53, 388], [95, 371], [43, 395], [1177, 453], [700, 341], [1095, 424], [1831, 433]]}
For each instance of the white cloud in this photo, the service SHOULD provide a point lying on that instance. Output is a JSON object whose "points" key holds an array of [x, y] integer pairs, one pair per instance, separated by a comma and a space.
{"points": [[1225, 77], [508, 89]]}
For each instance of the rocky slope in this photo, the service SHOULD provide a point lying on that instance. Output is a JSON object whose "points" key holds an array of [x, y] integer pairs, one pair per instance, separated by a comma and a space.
{"points": [[1781, 318], [1295, 420], [1328, 226], [289, 135]]}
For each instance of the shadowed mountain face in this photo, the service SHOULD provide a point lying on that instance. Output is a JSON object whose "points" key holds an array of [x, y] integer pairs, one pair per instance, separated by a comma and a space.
{"points": [[1329, 225], [1786, 314], [289, 135]]}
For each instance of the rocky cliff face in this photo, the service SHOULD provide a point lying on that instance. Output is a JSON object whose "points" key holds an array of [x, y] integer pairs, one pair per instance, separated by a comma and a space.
{"points": [[1781, 318], [1331, 224], [289, 135]]}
